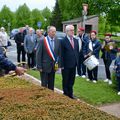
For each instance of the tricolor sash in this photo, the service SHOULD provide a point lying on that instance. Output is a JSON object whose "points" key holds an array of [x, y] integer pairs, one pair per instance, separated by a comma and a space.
{"points": [[49, 48]]}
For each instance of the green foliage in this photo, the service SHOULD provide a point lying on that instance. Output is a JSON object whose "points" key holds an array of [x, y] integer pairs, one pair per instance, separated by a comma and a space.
{"points": [[35, 17], [56, 19], [23, 16], [101, 26], [114, 16], [6, 16], [70, 9], [109, 8], [47, 16]]}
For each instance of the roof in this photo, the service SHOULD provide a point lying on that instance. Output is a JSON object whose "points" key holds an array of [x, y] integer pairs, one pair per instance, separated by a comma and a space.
{"points": [[76, 20]]}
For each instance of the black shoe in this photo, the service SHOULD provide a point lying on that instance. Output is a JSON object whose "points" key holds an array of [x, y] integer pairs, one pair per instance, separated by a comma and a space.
{"points": [[73, 97]]}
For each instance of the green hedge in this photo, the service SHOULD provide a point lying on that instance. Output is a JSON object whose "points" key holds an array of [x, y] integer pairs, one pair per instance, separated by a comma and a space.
{"points": [[20, 100]]}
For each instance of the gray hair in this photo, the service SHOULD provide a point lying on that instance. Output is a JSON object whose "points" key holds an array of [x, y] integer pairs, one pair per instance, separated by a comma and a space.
{"points": [[68, 27], [49, 27], [38, 30]]}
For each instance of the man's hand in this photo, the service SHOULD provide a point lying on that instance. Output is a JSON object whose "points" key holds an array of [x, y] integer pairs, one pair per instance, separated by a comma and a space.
{"points": [[20, 70], [22, 44], [111, 47]]}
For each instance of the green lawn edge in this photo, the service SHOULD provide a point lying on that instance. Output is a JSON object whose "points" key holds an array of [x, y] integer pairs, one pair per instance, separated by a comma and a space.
{"points": [[96, 94]]}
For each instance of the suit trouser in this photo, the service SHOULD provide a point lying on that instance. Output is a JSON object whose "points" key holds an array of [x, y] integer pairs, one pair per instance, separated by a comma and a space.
{"points": [[81, 68], [19, 50], [47, 79], [92, 74], [107, 66], [31, 59], [68, 76]]}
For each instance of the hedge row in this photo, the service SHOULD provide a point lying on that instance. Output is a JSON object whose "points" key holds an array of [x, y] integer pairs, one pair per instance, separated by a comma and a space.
{"points": [[20, 100]]}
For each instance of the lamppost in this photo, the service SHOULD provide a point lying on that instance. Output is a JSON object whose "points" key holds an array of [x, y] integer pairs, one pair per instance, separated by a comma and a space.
{"points": [[9, 28], [84, 13], [4, 22], [45, 20]]}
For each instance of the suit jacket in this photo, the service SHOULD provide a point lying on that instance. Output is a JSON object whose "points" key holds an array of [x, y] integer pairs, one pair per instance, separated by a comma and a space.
{"points": [[5, 64], [44, 61], [69, 56], [19, 38], [85, 44], [30, 45]]}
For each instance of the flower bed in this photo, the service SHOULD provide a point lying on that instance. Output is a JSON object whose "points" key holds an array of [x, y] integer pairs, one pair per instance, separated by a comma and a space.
{"points": [[21, 100]]}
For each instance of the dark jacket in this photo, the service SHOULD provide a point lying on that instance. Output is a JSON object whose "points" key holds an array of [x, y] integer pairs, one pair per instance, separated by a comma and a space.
{"points": [[19, 38], [69, 56], [117, 64], [111, 54], [44, 61], [5, 63], [85, 44], [96, 48]]}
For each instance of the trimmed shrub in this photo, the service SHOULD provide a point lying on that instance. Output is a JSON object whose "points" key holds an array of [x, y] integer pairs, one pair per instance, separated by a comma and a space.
{"points": [[21, 100]]}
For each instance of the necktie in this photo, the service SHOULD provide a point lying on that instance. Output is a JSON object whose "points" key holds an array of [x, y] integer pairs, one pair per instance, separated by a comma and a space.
{"points": [[72, 42]]}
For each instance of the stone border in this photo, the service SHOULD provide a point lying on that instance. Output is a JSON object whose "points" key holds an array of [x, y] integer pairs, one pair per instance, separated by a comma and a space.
{"points": [[37, 82]]}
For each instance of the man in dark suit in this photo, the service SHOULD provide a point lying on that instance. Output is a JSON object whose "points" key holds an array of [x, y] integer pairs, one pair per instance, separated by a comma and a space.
{"points": [[69, 60], [19, 39], [84, 51], [47, 58]]}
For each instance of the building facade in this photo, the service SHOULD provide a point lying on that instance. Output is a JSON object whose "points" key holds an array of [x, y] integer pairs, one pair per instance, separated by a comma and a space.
{"points": [[91, 23]]}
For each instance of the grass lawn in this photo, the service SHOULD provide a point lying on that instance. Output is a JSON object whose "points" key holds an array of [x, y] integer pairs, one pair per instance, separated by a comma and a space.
{"points": [[95, 94]]}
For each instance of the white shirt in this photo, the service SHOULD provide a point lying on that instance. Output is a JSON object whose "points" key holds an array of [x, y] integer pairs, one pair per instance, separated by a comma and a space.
{"points": [[3, 39]]}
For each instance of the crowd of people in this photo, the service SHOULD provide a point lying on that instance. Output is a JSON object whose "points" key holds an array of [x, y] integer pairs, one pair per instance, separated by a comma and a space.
{"points": [[46, 53]]}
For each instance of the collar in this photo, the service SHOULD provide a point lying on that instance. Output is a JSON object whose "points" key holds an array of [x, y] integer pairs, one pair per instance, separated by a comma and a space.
{"points": [[69, 37], [51, 38]]}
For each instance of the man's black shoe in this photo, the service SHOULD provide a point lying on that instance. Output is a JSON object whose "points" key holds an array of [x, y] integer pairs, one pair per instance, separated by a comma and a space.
{"points": [[73, 97]]}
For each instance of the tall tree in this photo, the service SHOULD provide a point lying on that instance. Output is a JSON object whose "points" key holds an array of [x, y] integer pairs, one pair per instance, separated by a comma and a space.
{"points": [[35, 17], [6, 17], [23, 16], [56, 19], [109, 8], [113, 15], [47, 16]]}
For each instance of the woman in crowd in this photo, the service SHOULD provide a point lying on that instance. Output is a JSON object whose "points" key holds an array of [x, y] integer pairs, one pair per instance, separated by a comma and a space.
{"points": [[109, 50]]}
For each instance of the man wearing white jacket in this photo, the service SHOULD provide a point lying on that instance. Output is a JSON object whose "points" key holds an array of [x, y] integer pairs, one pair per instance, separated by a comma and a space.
{"points": [[3, 38]]}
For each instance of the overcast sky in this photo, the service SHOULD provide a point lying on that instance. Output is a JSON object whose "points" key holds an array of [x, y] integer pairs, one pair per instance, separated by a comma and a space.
{"points": [[39, 4]]}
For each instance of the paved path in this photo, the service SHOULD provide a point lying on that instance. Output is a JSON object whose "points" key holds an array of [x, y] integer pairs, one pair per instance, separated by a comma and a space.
{"points": [[113, 109]]}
